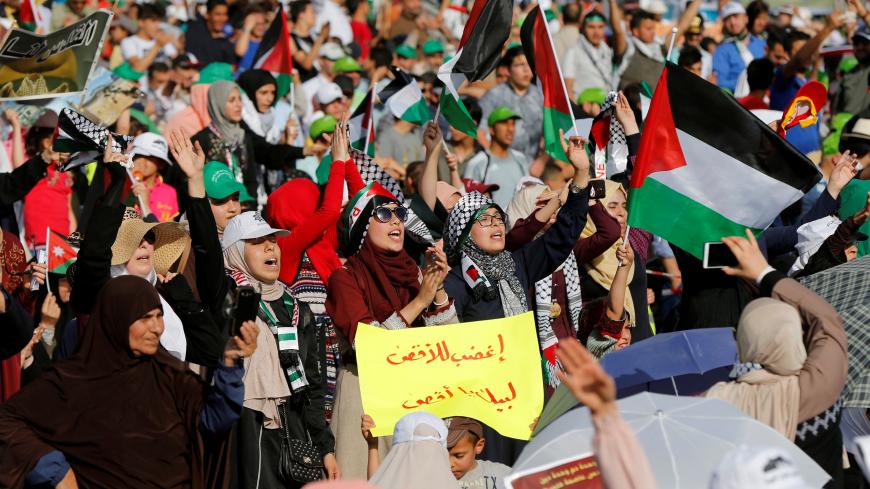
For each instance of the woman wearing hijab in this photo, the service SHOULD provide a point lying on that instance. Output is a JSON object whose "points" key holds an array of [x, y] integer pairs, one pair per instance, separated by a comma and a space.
{"points": [[792, 352], [263, 112], [381, 285], [419, 456], [309, 254], [228, 139], [132, 415], [283, 388], [489, 282]]}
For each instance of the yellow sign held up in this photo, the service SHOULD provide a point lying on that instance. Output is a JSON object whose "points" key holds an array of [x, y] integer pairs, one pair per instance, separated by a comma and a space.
{"points": [[486, 370]]}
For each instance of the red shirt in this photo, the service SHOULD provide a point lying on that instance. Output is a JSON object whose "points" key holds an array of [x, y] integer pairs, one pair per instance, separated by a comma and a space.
{"points": [[752, 102], [47, 205], [362, 35]]}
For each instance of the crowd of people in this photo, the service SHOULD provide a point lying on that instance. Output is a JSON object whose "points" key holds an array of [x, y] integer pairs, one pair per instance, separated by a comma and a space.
{"points": [[127, 368]]}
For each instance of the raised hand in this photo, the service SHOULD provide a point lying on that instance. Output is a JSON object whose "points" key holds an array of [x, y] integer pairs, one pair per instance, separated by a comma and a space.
{"points": [[585, 378], [110, 156], [625, 116], [843, 172], [340, 143], [188, 155], [575, 150], [50, 311], [625, 255], [367, 425], [243, 345], [431, 137], [750, 259]]}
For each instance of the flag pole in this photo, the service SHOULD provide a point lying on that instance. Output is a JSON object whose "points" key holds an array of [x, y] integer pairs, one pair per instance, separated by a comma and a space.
{"points": [[371, 119], [543, 17], [671, 46], [47, 251], [435, 121]]}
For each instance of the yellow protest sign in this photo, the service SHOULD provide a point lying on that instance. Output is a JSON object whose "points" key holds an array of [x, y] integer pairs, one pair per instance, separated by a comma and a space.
{"points": [[487, 370]]}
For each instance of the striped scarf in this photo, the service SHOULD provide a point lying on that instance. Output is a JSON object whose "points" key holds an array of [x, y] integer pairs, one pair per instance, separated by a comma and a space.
{"points": [[543, 302], [287, 335]]}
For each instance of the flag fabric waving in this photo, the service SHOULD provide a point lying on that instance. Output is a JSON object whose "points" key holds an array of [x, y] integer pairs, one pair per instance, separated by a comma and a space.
{"points": [[274, 54], [84, 139], [485, 33], [404, 99], [60, 253], [361, 126], [708, 171], [29, 15], [538, 46]]}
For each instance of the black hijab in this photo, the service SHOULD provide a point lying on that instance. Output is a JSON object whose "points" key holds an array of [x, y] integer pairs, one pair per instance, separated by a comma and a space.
{"points": [[120, 420], [253, 80]]}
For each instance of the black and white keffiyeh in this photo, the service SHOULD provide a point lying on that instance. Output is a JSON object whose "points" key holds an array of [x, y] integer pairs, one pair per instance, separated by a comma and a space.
{"points": [[615, 149], [372, 172], [85, 140], [459, 219]]}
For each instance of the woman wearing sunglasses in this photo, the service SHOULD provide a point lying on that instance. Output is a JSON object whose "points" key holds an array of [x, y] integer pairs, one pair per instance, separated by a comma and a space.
{"points": [[488, 282], [381, 285]]}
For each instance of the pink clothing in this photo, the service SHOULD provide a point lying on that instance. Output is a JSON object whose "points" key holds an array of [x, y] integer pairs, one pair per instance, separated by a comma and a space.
{"points": [[194, 118], [163, 201], [47, 205], [621, 459]]}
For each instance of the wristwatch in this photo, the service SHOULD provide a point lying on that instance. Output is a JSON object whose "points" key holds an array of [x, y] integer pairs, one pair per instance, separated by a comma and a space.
{"points": [[574, 189]]}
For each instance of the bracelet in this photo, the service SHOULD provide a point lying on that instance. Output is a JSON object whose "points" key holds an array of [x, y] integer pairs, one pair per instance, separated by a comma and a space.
{"points": [[441, 304]]}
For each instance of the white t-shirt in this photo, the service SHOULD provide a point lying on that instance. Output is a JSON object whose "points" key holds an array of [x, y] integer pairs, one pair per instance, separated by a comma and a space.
{"points": [[485, 476], [137, 47]]}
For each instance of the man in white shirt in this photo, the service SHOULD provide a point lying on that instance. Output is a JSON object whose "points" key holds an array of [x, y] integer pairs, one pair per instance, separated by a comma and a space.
{"points": [[150, 43], [589, 64]]}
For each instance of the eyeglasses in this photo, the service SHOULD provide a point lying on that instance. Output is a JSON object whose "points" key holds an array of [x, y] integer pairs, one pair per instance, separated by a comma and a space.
{"points": [[385, 214], [487, 220]]}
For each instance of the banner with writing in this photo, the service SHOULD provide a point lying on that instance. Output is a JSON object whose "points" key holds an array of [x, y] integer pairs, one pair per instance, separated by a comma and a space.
{"points": [[486, 370], [579, 473], [34, 66]]}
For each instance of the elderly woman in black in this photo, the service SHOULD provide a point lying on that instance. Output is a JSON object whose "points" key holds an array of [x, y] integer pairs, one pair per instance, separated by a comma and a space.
{"points": [[488, 282]]}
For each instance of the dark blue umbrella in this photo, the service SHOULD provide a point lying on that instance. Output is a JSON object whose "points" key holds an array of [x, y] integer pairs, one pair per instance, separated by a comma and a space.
{"points": [[683, 362]]}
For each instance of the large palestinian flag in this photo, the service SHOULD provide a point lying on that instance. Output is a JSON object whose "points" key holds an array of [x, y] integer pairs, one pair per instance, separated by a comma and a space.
{"points": [[486, 31], [274, 54], [538, 46], [707, 168]]}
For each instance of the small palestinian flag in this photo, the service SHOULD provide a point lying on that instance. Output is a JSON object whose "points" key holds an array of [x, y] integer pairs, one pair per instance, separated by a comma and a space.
{"points": [[28, 15], [60, 253], [404, 99], [706, 171], [362, 128], [486, 32], [274, 54], [538, 46], [83, 139]]}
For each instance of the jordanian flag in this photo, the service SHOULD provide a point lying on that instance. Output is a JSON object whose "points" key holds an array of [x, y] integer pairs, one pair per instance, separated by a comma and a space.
{"points": [[486, 32], [404, 99], [538, 46], [60, 253], [274, 54], [706, 171]]}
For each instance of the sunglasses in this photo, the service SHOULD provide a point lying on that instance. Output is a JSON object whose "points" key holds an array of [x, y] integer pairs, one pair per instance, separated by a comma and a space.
{"points": [[385, 214]]}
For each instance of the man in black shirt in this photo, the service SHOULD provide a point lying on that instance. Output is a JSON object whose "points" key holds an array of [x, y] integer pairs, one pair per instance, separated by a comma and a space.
{"points": [[206, 38]]}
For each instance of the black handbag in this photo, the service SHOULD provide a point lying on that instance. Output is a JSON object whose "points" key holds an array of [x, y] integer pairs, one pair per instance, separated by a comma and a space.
{"points": [[299, 460]]}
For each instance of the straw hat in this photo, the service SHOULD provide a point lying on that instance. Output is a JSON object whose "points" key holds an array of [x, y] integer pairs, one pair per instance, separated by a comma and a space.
{"points": [[170, 241]]}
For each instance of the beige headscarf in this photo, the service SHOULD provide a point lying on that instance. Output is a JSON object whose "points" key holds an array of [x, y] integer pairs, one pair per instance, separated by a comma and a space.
{"points": [[602, 268], [524, 203], [419, 456], [769, 333], [265, 384]]}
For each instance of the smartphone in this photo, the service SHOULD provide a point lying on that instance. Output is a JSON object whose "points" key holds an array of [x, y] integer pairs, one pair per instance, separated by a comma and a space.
{"points": [[718, 255], [597, 188], [42, 259], [245, 308]]}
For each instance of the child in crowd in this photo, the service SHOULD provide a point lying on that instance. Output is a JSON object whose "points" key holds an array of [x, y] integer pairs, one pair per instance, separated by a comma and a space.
{"points": [[465, 442]]}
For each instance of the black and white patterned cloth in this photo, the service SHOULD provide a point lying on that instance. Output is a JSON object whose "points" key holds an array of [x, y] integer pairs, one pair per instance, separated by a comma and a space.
{"points": [[457, 222], [616, 148], [76, 130], [372, 172]]}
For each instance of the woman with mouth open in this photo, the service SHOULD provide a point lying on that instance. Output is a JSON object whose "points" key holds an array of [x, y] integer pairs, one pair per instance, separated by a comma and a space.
{"points": [[381, 285], [488, 282]]}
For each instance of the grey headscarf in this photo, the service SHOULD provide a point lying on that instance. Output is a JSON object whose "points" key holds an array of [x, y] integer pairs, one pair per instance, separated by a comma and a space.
{"points": [[218, 93]]}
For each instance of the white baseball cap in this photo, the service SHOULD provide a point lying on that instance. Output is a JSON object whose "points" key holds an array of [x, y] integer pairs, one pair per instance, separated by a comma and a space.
{"points": [[329, 93], [332, 51], [732, 8], [757, 468], [150, 144], [248, 225]]}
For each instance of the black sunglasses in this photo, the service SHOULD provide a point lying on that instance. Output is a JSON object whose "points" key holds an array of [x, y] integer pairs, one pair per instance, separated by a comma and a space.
{"points": [[385, 214]]}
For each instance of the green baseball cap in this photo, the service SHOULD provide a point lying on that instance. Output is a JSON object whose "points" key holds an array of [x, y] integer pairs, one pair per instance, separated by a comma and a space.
{"points": [[220, 182], [501, 114], [594, 95], [847, 64], [405, 51], [125, 71], [432, 46], [320, 126], [346, 65], [215, 72]]}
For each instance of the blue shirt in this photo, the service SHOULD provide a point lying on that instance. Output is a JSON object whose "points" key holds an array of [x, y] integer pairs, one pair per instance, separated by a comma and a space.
{"points": [[728, 64], [247, 61]]}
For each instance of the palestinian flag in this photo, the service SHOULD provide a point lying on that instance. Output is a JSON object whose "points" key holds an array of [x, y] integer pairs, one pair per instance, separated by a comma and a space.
{"points": [[538, 46], [709, 170], [60, 253], [28, 15], [274, 54], [362, 136], [486, 32], [84, 139], [404, 99]]}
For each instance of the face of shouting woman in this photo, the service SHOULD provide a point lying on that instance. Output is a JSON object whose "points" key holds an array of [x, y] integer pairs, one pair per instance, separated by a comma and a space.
{"points": [[263, 257], [488, 231], [389, 235]]}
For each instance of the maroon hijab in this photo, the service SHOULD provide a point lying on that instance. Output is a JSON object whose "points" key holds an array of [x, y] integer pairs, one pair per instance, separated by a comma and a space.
{"points": [[120, 420]]}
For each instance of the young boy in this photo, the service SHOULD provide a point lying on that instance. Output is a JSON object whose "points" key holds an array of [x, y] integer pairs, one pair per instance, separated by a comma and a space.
{"points": [[465, 442]]}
